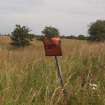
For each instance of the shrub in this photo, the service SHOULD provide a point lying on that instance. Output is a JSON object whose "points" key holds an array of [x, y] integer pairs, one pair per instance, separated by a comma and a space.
{"points": [[20, 36], [50, 32]]}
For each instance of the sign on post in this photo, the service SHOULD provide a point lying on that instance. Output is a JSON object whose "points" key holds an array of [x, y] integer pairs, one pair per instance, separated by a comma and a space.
{"points": [[52, 47]]}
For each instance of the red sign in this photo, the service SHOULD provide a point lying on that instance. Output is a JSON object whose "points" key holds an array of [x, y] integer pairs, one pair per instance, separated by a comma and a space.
{"points": [[52, 46]]}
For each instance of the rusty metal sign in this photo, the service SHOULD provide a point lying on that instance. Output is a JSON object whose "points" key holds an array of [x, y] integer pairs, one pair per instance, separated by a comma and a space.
{"points": [[52, 46]]}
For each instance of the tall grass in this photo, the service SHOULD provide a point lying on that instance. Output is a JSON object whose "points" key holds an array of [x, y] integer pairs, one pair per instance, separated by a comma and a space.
{"points": [[27, 77]]}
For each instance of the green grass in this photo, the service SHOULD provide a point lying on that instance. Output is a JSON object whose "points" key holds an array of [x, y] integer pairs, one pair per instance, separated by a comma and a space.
{"points": [[27, 77]]}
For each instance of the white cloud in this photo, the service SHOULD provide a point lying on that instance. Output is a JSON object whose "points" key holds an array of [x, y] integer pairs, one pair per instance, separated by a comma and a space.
{"points": [[70, 16]]}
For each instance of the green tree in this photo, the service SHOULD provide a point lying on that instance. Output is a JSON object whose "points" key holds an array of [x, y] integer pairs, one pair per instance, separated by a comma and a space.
{"points": [[50, 32], [81, 37], [97, 30], [21, 36]]}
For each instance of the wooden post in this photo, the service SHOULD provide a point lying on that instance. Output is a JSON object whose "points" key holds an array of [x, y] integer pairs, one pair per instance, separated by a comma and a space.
{"points": [[59, 73]]}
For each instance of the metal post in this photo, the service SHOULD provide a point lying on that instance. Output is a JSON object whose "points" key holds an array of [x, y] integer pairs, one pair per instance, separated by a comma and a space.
{"points": [[59, 73]]}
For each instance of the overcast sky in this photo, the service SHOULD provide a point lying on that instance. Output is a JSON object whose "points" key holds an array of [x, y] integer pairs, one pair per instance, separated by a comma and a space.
{"points": [[71, 17]]}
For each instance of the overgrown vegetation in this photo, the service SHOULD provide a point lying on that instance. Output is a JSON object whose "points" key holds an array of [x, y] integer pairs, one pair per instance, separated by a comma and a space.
{"points": [[27, 77]]}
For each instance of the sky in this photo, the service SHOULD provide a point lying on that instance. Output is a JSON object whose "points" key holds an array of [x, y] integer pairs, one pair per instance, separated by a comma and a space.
{"points": [[71, 17]]}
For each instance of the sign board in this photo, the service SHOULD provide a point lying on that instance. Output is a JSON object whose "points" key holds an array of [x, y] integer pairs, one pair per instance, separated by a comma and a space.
{"points": [[52, 46]]}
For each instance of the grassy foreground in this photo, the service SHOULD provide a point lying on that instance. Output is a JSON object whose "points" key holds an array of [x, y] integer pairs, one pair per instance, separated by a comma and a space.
{"points": [[27, 77]]}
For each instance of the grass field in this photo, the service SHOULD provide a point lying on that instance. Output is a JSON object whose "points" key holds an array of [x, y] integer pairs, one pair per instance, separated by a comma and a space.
{"points": [[27, 77]]}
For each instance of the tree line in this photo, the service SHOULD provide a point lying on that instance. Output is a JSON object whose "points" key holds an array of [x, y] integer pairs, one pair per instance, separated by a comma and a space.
{"points": [[22, 36]]}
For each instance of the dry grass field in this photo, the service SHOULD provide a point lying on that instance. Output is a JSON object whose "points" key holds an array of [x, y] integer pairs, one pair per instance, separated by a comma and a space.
{"points": [[27, 77]]}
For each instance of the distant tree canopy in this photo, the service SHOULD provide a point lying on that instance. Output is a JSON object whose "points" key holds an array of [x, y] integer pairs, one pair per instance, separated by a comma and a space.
{"points": [[97, 30], [82, 37], [50, 31], [21, 36]]}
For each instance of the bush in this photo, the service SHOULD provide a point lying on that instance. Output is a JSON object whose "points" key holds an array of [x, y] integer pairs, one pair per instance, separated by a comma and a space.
{"points": [[20, 36], [50, 32]]}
